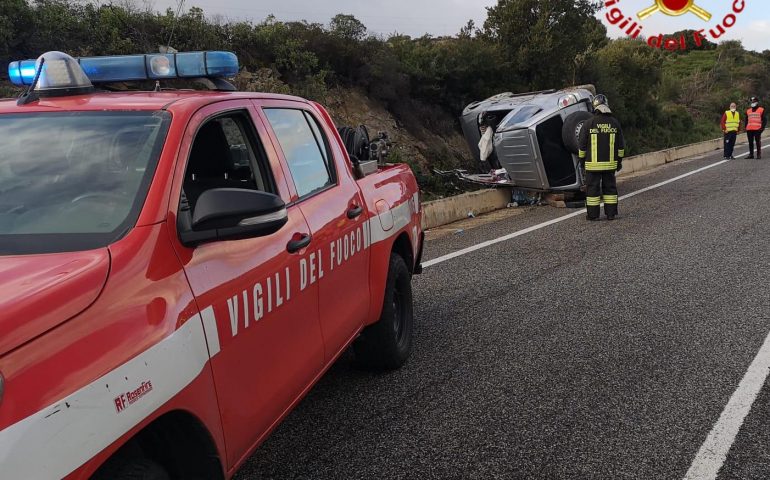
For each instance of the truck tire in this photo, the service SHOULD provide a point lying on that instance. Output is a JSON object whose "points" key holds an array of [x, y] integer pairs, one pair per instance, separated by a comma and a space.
{"points": [[386, 345], [570, 132], [132, 468]]}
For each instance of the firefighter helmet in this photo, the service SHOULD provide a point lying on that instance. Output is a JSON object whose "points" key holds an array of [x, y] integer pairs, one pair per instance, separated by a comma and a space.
{"points": [[601, 104]]}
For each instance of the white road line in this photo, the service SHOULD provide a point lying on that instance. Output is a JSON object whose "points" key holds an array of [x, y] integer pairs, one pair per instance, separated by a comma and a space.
{"points": [[713, 452], [488, 243], [479, 246], [672, 180]]}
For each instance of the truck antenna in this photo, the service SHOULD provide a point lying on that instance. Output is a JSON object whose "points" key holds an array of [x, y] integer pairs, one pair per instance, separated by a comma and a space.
{"points": [[168, 47], [29, 95]]}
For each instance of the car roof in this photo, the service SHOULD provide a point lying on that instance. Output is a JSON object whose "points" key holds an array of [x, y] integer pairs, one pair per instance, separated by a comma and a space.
{"points": [[134, 100]]}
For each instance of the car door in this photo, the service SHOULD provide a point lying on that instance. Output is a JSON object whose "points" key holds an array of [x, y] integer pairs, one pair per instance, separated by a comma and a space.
{"points": [[262, 325], [333, 206]]}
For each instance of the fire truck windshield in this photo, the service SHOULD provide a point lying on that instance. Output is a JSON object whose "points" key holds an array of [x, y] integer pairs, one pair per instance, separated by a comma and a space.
{"points": [[74, 181]]}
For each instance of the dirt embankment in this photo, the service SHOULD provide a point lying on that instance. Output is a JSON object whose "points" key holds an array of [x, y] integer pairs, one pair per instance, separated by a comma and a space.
{"points": [[424, 136], [427, 139]]}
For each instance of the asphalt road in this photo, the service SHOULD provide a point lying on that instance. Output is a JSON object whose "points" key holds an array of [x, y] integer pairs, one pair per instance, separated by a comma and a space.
{"points": [[581, 350]]}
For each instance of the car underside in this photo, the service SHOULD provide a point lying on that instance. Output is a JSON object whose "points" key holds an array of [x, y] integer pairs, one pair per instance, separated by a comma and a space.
{"points": [[533, 139]]}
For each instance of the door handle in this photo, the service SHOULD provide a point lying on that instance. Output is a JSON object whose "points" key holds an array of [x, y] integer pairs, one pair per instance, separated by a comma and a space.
{"points": [[295, 246], [354, 212]]}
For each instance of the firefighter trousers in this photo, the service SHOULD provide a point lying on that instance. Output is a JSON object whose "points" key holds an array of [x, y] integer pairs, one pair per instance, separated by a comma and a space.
{"points": [[755, 136], [601, 187]]}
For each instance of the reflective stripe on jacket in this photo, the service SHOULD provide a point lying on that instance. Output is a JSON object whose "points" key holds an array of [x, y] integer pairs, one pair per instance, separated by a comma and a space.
{"points": [[601, 144], [754, 119], [733, 121]]}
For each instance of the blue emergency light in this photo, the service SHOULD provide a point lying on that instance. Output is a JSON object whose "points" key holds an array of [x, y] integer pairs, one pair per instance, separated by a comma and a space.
{"points": [[126, 68]]}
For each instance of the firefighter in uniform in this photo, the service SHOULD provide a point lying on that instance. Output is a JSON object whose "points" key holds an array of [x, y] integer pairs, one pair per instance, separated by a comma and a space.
{"points": [[601, 149], [756, 121], [731, 123]]}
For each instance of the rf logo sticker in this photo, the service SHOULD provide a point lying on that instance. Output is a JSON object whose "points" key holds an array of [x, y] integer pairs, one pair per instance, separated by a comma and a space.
{"points": [[675, 8]]}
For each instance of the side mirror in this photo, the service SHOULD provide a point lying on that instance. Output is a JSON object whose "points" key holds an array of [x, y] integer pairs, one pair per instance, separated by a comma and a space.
{"points": [[234, 213]]}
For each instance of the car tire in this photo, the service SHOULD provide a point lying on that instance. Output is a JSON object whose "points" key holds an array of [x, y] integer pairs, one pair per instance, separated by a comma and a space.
{"points": [[386, 345], [570, 132], [135, 468]]}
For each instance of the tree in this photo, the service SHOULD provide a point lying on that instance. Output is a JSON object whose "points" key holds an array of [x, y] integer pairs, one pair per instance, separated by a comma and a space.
{"points": [[542, 37], [347, 27], [690, 37], [629, 73], [15, 30], [469, 30]]}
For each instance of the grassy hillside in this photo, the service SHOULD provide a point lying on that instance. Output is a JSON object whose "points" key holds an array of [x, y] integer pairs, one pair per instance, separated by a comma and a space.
{"points": [[704, 83]]}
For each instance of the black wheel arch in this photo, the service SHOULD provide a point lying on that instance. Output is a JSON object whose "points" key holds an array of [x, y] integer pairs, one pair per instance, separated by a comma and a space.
{"points": [[403, 247], [179, 442]]}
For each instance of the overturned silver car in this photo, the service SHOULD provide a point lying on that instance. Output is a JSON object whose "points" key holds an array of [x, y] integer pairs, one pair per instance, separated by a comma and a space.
{"points": [[533, 144]]}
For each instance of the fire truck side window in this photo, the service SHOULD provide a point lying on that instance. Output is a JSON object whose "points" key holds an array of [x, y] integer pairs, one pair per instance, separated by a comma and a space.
{"points": [[305, 148], [225, 154]]}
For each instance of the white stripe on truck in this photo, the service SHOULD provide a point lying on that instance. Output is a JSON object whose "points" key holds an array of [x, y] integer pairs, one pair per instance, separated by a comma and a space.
{"points": [[55, 441], [401, 214], [58, 439]]}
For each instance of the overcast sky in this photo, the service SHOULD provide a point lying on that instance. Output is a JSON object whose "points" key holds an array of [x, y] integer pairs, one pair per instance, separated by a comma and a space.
{"points": [[446, 17], [412, 17]]}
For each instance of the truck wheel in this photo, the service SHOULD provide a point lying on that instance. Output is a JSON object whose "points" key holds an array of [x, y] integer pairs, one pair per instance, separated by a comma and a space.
{"points": [[136, 468], [570, 132], [386, 345]]}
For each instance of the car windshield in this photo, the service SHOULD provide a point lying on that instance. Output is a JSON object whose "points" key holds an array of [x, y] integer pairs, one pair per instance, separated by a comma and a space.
{"points": [[74, 181], [521, 115]]}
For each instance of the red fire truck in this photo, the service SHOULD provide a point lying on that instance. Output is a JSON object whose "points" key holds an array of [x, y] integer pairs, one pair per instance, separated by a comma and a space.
{"points": [[179, 267]]}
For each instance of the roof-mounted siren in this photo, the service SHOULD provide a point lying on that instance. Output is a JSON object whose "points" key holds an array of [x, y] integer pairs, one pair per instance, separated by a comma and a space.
{"points": [[214, 66], [52, 74]]}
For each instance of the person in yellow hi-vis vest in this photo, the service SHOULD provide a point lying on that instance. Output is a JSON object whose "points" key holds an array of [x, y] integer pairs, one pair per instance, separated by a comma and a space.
{"points": [[731, 123], [601, 150]]}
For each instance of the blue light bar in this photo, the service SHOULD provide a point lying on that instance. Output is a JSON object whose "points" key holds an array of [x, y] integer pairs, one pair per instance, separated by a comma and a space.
{"points": [[127, 68], [22, 72]]}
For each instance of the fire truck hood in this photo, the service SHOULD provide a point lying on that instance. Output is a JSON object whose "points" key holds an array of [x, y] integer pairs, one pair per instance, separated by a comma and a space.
{"points": [[40, 292]]}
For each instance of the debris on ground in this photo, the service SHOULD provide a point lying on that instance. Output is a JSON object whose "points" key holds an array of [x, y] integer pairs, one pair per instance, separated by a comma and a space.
{"points": [[520, 198]]}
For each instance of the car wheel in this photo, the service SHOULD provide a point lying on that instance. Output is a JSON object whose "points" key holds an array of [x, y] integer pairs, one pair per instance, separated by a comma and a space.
{"points": [[570, 132], [135, 468], [388, 343]]}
